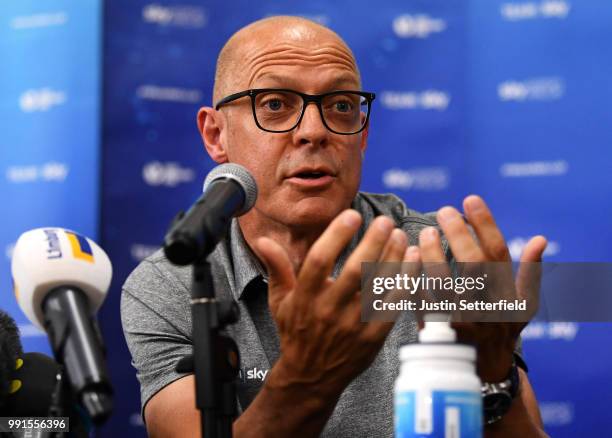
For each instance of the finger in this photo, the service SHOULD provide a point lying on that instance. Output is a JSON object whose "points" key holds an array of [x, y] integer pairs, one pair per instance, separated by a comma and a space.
{"points": [[379, 325], [432, 256], [412, 264], [396, 239], [281, 278], [534, 249], [530, 270], [395, 246], [387, 266], [369, 250], [461, 242], [490, 237], [412, 257], [430, 246], [410, 267], [397, 243], [324, 252], [413, 268]]}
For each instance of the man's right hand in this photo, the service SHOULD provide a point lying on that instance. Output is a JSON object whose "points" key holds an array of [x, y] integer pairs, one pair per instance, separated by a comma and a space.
{"points": [[324, 344]]}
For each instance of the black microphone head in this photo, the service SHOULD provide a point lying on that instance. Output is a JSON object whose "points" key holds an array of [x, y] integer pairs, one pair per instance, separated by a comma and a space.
{"points": [[239, 174], [34, 384], [10, 351]]}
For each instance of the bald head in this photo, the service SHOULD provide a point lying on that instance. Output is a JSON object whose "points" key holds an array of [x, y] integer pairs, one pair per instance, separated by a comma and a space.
{"points": [[254, 47]]}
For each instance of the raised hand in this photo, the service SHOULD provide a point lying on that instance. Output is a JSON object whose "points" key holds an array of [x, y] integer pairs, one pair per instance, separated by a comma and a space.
{"points": [[495, 341], [324, 344]]}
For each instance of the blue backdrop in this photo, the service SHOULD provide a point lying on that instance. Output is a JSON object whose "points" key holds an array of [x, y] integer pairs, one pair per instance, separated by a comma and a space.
{"points": [[50, 62], [507, 99]]}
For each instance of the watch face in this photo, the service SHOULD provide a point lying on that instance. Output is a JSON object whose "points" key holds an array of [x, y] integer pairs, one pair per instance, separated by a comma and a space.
{"points": [[497, 403]]}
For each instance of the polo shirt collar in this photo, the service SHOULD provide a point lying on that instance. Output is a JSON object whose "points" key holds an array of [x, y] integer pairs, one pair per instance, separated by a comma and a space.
{"points": [[241, 255]]}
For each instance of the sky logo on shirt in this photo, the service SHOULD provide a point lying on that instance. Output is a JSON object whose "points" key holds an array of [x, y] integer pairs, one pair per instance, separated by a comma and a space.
{"points": [[252, 374]]}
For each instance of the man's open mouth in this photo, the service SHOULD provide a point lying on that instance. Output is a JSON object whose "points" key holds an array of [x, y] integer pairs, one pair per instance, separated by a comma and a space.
{"points": [[311, 175], [312, 178]]}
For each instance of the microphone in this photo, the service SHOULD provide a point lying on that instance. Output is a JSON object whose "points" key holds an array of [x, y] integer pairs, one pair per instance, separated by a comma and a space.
{"points": [[61, 279], [37, 390], [10, 352], [229, 190], [33, 385]]}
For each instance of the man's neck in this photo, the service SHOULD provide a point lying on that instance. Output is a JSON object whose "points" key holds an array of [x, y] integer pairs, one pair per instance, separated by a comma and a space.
{"points": [[296, 240]]}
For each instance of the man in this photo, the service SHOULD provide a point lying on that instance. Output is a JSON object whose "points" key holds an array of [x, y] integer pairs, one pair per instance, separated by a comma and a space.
{"points": [[326, 372]]}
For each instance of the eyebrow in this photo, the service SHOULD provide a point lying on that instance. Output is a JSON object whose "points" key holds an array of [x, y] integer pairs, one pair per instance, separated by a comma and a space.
{"points": [[290, 82]]}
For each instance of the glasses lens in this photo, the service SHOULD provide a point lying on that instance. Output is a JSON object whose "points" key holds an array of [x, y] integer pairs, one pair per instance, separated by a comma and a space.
{"points": [[278, 110], [345, 113]]}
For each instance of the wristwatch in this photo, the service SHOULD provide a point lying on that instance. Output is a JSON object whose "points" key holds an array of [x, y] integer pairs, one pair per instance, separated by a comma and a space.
{"points": [[497, 397]]}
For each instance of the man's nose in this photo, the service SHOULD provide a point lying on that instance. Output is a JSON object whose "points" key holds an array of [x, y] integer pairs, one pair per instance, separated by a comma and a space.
{"points": [[311, 128]]}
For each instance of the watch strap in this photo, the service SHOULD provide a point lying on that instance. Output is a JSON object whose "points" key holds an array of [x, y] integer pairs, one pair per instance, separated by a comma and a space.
{"points": [[498, 397]]}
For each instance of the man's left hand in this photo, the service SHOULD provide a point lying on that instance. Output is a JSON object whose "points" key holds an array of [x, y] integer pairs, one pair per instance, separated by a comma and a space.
{"points": [[495, 341]]}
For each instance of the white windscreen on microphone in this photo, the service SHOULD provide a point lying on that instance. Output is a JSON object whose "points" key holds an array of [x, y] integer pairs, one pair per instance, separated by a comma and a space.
{"points": [[46, 258], [239, 174]]}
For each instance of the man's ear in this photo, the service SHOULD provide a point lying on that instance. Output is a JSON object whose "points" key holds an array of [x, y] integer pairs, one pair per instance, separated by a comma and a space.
{"points": [[364, 139], [210, 125]]}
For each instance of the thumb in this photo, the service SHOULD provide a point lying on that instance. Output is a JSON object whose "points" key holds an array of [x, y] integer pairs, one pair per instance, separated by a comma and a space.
{"points": [[281, 278]]}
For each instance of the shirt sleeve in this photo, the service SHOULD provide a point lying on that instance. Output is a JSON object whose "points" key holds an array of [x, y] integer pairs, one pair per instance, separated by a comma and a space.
{"points": [[156, 320]]}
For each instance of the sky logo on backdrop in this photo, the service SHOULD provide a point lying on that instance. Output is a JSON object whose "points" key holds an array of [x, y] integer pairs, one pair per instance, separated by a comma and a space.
{"points": [[420, 178], [531, 10], [46, 172], [169, 94], [42, 99], [534, 168], [39, 20], [552, 331], [424, 100], [185, 16], [551, 88], [417, 26], [168, 174]]}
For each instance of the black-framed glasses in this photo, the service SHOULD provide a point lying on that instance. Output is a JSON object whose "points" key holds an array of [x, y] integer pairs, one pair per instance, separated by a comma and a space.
{"points": [[343, 112]]}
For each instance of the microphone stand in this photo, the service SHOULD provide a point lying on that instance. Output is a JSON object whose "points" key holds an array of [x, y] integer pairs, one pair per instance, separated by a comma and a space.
{"points": [[215, 359]]}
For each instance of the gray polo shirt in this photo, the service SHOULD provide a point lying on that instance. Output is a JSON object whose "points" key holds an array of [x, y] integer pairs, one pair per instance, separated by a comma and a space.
{"points": [[156, 319]]}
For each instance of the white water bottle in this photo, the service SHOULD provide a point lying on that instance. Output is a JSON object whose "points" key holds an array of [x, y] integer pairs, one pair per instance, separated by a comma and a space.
{"points": [[437, 393]]}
